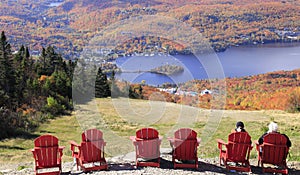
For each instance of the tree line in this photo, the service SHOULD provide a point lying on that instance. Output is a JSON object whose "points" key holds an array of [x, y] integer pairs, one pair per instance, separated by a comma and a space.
{"points": [[36, 89]]}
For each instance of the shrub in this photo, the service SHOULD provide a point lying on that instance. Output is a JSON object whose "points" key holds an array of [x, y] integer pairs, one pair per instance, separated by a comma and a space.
{"points": [[11, 122], [293, 104], [53, 107]]}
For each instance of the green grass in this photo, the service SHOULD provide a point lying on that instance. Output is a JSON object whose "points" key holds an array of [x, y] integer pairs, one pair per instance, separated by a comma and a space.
{"points": [[18, 149], [119, 121], [22, 167]]}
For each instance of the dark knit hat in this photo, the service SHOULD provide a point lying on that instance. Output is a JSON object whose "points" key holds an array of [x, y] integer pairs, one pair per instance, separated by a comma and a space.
{"points": [[240, 124]]}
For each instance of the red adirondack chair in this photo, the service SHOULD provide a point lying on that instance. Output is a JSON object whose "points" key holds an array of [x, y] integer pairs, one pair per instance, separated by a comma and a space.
{"points": [[274, 152], [184, 148], [47, 155], [237, 152], [147, 147], [89, 154]]}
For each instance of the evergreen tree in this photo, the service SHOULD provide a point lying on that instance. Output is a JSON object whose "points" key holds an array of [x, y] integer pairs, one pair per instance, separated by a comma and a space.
{"points": [[49, 61], [113, 76], [71, 67], [7, 74], [82, 82], [115, 90], [102, 89], [62, 84], [24, 73]]}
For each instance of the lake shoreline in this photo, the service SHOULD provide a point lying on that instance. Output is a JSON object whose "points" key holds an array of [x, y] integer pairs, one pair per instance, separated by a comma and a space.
{"points": [[224, 49], [234, 62]]}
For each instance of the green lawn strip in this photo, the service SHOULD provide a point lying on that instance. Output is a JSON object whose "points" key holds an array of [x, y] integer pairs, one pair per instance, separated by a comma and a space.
{"points": [[18, 149], [69, 128]]}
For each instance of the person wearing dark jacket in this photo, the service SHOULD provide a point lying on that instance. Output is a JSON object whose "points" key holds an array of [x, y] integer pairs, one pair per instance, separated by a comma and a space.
{"points": [[273, 128]]}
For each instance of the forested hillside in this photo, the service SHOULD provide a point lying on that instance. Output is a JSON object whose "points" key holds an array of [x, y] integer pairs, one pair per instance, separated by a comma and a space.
{"points": [[36, 89], [271, 91], [32, 90], [71, 25], [276, 90]]}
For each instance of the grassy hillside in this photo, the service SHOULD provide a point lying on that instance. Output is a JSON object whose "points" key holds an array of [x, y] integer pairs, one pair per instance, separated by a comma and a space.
{"points": [[120, 118]]}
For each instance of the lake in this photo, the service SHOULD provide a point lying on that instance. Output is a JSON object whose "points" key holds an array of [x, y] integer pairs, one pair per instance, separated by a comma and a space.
{"points": [[234, 62]]}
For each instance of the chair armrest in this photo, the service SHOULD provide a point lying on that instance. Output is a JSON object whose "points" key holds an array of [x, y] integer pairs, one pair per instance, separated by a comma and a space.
{"points": [[132, 138], [34, 153], [74, 145], [251, 147], [160, 139], [60, 150], [257, 145], [172, 142], [221, 143]]}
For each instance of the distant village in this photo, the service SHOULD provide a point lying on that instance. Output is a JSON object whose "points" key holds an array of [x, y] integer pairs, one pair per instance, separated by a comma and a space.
{"points": [[177, 91], [60, 28]]}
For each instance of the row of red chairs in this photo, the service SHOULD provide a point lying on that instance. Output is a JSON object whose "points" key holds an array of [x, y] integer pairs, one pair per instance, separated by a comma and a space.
{"points": [[184, 148], [89, 154]]}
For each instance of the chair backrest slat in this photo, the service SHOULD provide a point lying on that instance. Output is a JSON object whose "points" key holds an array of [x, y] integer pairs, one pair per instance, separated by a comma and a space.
{"points": [[186, 149], [92, 146], [274, 149], [46, 148], [185, 143], [147, 133], [148, 143], [239, 144], [92, 135], [148, 148], [185, 134]]}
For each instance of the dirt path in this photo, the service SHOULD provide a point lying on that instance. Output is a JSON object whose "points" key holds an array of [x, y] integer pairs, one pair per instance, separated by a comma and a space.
{"points": [[124, 165]]}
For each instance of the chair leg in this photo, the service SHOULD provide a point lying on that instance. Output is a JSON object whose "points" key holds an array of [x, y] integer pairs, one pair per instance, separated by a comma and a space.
{"points": [[222, 161], [174, 162], [80, 165], [158, 163], [262, 166]]}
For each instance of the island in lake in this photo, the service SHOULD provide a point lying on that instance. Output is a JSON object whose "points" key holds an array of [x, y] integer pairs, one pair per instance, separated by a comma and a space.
{"points": [[168, 69], [165, 69]]}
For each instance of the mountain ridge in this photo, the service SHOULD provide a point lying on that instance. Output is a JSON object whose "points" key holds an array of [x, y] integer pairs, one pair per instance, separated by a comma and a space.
{"points": [[224, 22]]}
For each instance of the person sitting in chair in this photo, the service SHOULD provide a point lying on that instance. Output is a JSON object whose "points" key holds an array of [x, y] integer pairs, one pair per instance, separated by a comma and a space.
{"points": [[273, 128]]}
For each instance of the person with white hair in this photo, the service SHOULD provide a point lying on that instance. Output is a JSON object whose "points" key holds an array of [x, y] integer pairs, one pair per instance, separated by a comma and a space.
{"points": [[273, 128]]}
